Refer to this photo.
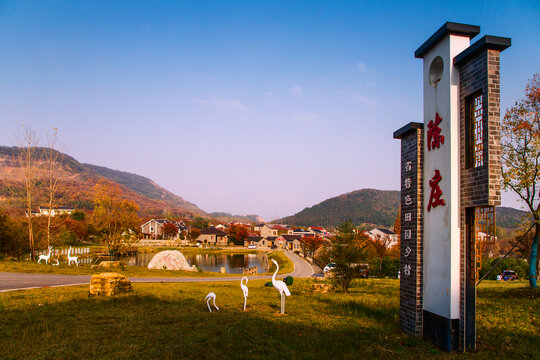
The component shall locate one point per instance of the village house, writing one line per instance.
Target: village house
(301, 232)
(292, 242)
(273, 230)
(252, 240)
(389, 236)
(222, 227)
(61, 210)
(153, 229)
(260, 242)
(258, 227)
(318, 231)
(213, 236)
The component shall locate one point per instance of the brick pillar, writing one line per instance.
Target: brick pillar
(480, 152)
(410, 298)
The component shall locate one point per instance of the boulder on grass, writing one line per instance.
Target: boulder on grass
(321, 288)
(109, 284)
(107, 264)
(170, 260)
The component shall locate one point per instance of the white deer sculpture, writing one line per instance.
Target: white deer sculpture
(211, 296)
(45, 257)
(244, 290)
(72, 258)
(281, 287)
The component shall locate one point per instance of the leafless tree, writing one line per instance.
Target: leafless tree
(28, 157)
(54, 175)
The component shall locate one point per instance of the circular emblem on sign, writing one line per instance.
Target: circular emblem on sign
(435, 71)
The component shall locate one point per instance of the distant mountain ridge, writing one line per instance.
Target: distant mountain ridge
(240, 218)
(362, 206)
(371, 206)
(79, 180)
(144, 186)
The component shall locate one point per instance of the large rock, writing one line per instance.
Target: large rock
(109, 284)
(170, 260)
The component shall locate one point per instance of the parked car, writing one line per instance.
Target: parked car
(252, 246)
(507, 275)
(329, 267)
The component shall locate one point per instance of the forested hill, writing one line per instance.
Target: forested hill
(144, 186)
(78, 180)
(362, 206)
(510, 218)
(378, 207)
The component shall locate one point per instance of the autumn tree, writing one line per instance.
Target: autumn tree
(12, 239)
(521, 159)
(113, 215)
(397, 222)
(310, 244)
(238, 234)
(200, 223)
(347, 251)
(380, 244)
(194, 234)
(169, 230)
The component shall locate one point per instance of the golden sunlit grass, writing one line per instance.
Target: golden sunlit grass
(172, 321)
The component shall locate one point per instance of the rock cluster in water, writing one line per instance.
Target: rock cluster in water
(170, 260)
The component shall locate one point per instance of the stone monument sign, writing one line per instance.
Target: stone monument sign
(450, 184)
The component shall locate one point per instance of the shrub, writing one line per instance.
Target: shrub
(521, 267)
(390, 267)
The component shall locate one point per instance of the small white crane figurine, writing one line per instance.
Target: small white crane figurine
(211, 296)
(45, 257)
(244, 290)
(56, 263)
(281, 287)
(72, 258)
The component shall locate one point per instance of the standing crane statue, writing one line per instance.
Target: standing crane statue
(244, 290)
(211, 296)
(281, 287)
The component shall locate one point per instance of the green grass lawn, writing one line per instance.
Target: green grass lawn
(285, 266)
(171, 321)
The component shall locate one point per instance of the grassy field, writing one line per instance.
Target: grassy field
(171, 321)
(285, 266)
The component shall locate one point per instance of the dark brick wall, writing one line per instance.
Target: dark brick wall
(480, 186)
(411, 293)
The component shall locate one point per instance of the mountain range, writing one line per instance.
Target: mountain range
(366, 206)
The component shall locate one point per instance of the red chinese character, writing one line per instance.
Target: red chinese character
(434, 137)
(435, 196)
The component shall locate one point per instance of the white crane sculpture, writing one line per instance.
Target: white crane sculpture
(244, 290)
(211, 296)
(72, 258)
(45, 257)
(281, 287)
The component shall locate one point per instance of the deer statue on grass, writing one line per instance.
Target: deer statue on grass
(72, 258)
(45, 257)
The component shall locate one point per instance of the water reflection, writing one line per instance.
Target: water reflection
(233, 263)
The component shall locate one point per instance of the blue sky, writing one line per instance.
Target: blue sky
(246, 107)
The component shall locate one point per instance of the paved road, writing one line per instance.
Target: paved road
(19, 281)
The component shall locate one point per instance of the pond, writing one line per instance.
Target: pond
(233, 263)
